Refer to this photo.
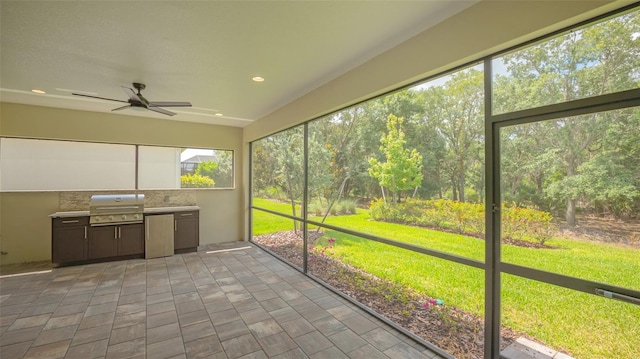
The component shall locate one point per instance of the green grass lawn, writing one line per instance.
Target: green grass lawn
(585, 325)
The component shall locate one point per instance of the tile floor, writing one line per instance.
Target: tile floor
(241, 303)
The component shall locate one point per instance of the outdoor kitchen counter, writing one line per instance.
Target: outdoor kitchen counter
(170, 209)
(153, 210)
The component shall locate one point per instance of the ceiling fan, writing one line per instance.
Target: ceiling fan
(137, 100)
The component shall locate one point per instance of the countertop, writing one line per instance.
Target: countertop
(154, 210)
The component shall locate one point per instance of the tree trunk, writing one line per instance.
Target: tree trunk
(461, 178)
(454, 188)
(571, 212)
(394, 194)
(571, 202)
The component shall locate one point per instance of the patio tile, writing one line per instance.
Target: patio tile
(231, 305)
(239, 346)
(127, 349)
(20, 335)
(197, 331)
(63, 321)
(124, 334)
(297, 327)
(28, 322)
(97, 320)
(204, 347)
(292, 354)
(265, 328)
(163, 332)
(166, 349)
(367, 351)
(14, 351)
(381, 339)
(232, 329)
(53, 350)
(254, 315)
(313, 342)
(55, 335)
(330, 353)
(359, 323)
(277, 343)
(191, 318)
(225, 316)
(92, 334)
(126, 320)
(160, 319)
(404, 351)
(97, 349)
(347, 340)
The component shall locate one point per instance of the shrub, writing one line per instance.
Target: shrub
(196, 181)
(526, 224)
(346, 206)
(465, 218)
(316, 208)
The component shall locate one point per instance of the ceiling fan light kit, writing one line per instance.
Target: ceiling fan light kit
(137, 100)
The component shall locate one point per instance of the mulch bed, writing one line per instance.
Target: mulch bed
(459, 333)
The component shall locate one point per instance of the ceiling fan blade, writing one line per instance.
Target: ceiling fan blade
(132, 95)
(99, 98)
(169, 104)
(161, 110)
(121, 108)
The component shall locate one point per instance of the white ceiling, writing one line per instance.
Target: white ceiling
(205, 52)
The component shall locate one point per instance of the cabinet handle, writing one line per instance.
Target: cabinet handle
(85, 232)
(175, 225)
(119, 232)
(71, 221)
(115, 232)
(186, 214)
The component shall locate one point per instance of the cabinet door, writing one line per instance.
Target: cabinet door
(187, 233)
(69, 244)
(131, 239)
(103, 242)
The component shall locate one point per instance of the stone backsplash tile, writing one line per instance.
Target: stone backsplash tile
(79, 200)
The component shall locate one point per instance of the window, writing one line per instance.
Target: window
(168, 167)
(49, 165)
(394, 191)
(594, 60)
(37, 165)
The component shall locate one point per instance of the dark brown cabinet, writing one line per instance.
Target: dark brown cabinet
(115, 241)
(69, 239)
(74, 241)
(187, 233)
(131, 239)
(103, 242)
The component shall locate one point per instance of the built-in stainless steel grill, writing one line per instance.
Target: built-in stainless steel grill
(108, 209)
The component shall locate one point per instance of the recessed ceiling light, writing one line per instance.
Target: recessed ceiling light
(258, 78)
(218, 114)
(37, 91)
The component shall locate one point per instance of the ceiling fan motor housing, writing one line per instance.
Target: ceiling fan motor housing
(139, 86)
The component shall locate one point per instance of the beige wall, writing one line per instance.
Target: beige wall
(25, 228)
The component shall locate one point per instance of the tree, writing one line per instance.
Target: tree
(457, 109)
(223, 173)
(207, 169)
(288, 147)
(402, 169)
(599, 59)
